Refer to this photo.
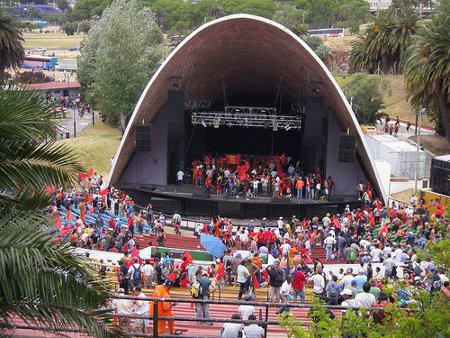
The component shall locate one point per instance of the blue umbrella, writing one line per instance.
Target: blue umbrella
(213, 245)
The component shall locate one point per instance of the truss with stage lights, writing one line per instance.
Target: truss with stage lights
(255, 117)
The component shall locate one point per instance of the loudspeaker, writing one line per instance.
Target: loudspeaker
(313, 129)
(347, 147)
(439, 175)
(143, 136)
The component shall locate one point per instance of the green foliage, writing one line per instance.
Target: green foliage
(11, 49)
(367, 99)
(428, 317)
(382, 45)
(84, 26)
(70, 28)
(292, 17)
(119, 56)
(27, 167)
(44, 283)
(426, 66)
(88, 9)
(316, 44)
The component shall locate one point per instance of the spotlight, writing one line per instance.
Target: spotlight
(216, 123)
(203, 123)
(288, 127)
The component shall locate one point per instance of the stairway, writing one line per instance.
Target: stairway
(173, 241)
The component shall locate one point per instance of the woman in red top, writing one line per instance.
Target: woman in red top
(298, 280)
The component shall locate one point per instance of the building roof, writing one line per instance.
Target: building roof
(445, 158)
(243, 54)
(394, 143)
(53, 85)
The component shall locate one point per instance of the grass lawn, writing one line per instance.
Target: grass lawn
(95, 146)
(51, 41)
(403, 196)
(394, 97)
(437, 144)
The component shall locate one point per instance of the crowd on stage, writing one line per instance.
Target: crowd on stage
(251, 176)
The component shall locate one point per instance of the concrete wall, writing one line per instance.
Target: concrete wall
(346, 175)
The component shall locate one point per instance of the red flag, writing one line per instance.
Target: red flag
(90, 172)
(104, 192)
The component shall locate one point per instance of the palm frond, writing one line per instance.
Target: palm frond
(44, 282)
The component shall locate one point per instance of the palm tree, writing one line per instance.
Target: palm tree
(382, 45)
(11, 49)
(41, 281)
(426, 66)
(44, 284)
(27, 165)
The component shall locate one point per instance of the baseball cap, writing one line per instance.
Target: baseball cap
(353, 282)
(347, 292)
(248, 297)
(276, 261)
(168, 282)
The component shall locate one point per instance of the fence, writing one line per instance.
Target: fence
(266, 320)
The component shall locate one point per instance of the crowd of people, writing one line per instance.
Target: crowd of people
(252, 176)
(383, 240)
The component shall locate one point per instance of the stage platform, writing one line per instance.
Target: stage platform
(190, 200)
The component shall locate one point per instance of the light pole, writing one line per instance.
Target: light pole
(419, 121)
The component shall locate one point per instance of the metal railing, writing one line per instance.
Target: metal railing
(264, 321)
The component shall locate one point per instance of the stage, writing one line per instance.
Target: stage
(190, 200)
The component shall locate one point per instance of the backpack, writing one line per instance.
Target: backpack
(195, 289)
(333, 290)
(137, 273)
(352, 256)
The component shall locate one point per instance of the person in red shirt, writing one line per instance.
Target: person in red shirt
(298, 280)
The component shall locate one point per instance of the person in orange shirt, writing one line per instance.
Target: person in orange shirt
(299, 184)
(164, 308)
(258, 262)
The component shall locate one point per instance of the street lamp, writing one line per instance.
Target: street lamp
(419, 125)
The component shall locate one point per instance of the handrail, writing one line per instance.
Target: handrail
(155, 318)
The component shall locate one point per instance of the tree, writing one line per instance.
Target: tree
(118, 57)
(352, 13)
(293, 18)
(84, 26)
(426, 67)
(365, 93)
(381, 47)
(316, 44)
(70, 28)
(11, 49)
(27, 165)
(41, 281)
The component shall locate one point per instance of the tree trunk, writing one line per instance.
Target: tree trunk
(122, 121)
(445, 114)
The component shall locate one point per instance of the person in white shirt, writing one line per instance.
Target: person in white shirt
(231, 330)
(329, 242)
(123, 307)
(140, 308)
(246, 310)
(366, 299)
(253, 330)
(147, 271)
(285, 247)
(242, 275)
(318, 284)
(180, 176)
(347, 279)
(347, 295)
(326, 221)
(376, 254)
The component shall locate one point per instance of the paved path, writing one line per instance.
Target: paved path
(81, 122)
